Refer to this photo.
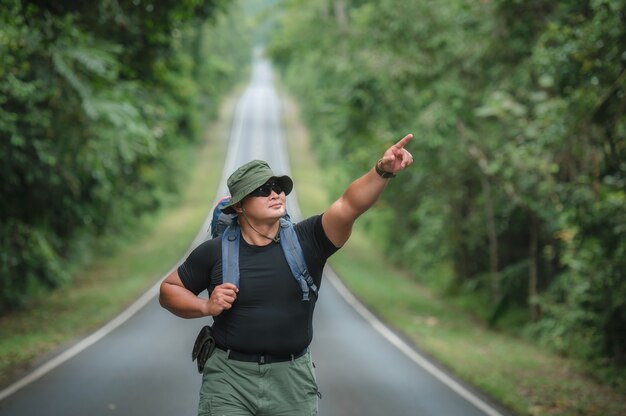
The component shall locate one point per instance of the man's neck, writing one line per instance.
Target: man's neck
(259, 234)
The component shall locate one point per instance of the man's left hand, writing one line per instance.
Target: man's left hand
(397, 158)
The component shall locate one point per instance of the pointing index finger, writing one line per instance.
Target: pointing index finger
(403, 141)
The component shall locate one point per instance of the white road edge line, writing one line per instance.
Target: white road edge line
(84, 343)
(149, 294)
(153, 291)
(384, 330)
(405, 348)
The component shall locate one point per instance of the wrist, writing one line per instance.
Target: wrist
(206, 308)
(382, 173)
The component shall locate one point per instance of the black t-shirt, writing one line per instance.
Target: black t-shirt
(269, 315)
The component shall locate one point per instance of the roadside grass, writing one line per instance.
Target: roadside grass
(105, 286)
(519, 375)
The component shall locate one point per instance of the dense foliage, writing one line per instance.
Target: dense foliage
(94, 98)
(517, 194)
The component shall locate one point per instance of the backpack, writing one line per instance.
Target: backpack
(227, 226)
(219, 220)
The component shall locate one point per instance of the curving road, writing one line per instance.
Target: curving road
(140, 364)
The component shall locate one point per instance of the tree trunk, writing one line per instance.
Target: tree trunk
(492, 232)
(494, 264)
(325, 11)
(532, 267)
(341, 14)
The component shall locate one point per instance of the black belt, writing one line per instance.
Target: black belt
(260, 358)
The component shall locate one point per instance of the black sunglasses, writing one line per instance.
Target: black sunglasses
(266, 189)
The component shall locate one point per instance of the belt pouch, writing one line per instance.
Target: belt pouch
(203, 347)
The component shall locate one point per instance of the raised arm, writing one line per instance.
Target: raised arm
(363, 192)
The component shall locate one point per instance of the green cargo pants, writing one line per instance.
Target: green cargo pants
(235, 388)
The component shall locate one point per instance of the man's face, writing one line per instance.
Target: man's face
(268, 202)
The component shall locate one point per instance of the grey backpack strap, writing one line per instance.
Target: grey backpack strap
(230, 254)
(295, 258)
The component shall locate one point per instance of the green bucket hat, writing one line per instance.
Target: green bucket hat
(249, 177)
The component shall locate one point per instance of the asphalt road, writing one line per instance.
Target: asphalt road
(140, 363)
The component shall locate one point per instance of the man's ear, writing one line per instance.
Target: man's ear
(238, 208)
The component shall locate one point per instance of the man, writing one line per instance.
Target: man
(263, 328)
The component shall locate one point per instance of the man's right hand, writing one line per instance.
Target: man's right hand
(222, 298)
(176, 298)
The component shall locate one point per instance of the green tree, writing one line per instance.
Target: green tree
(517, 194)
(93, 99)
